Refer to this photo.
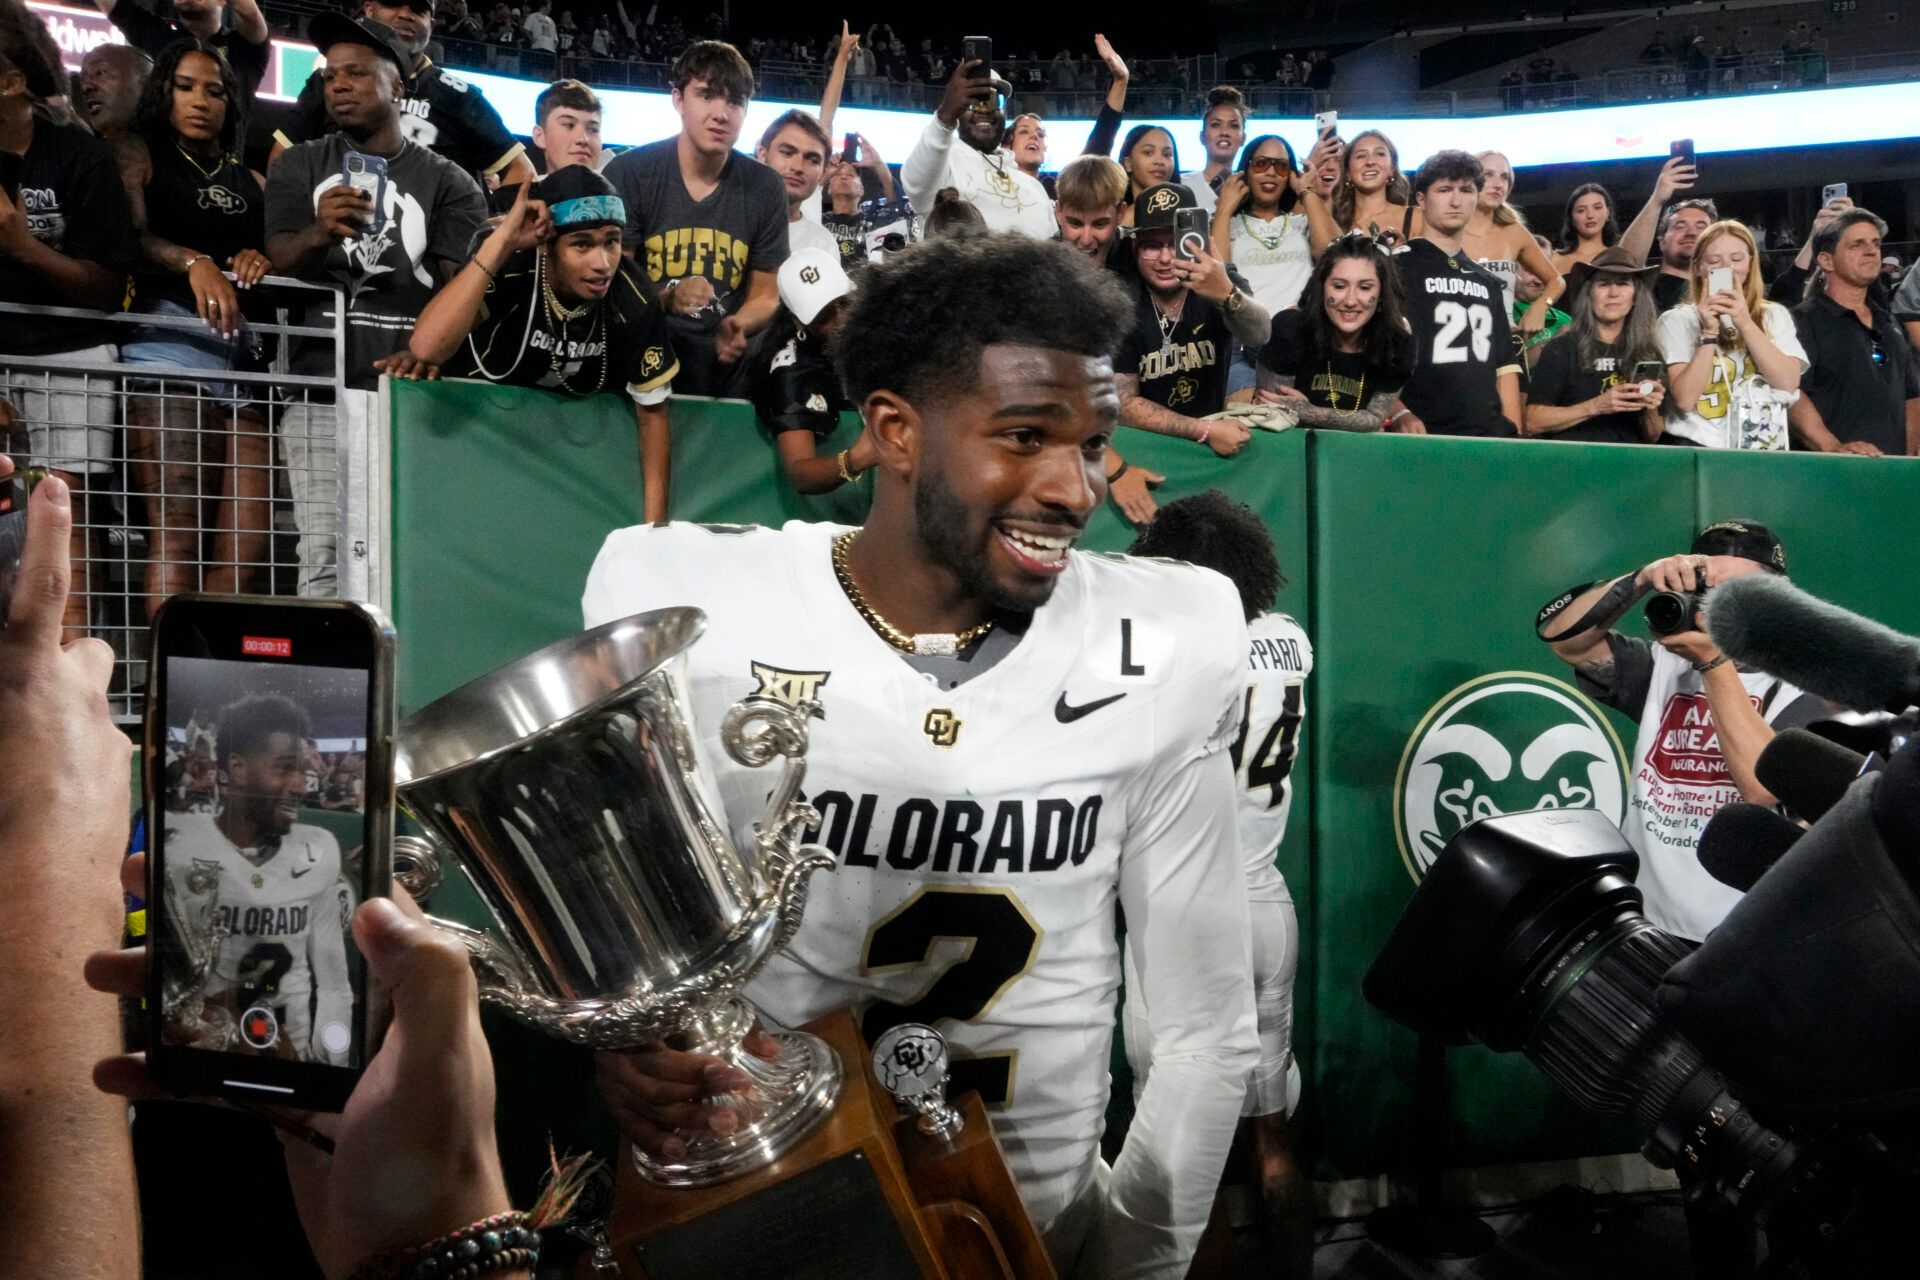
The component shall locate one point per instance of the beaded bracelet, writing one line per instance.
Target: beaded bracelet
(503, 1242)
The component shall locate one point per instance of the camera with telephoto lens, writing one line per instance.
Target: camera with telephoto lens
(1671, 612)
(1775, 1068)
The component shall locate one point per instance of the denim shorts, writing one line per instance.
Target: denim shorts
(197, 350)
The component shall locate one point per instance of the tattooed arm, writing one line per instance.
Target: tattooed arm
(1276, 388)
(1586, 650)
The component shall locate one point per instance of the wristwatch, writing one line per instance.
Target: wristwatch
(1234, 301)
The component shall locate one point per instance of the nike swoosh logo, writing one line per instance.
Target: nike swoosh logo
(300, 871)
(1067, 714)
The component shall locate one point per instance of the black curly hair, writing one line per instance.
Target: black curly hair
(154, 116)
(1215, 532)
(27, 46)
(919, 322)
(244, 727)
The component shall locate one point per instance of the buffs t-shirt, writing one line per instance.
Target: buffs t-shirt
(1462, 342)
(1559, 380)
(1340, 380)
(71, 195)
(441, 112)
(432, 209)
(1182, 366)
(620, 343)
(740, 227)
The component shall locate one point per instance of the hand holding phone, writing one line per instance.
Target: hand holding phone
(850, 148)
(368, 174)
(343, 212)
(981, 48)
(1326, 124)
(1190, 233)
(1833, 191)
(268, 759)
(1682, 150)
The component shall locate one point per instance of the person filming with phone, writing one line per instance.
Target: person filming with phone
(1601, 378)
(1172, 367)
(985, 174)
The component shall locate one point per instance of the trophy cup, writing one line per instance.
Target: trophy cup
(195, 932)
(568, 787)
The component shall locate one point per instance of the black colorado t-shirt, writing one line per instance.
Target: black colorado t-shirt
(1181, 366)
(1559, 380)
(621, 343)
(1339, 380)
(1462, 341)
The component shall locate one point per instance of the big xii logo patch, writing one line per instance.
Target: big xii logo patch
(791, 687)
(1508, 742)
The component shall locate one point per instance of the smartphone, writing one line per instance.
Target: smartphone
(1684, 149)
(369, 174)
(1190, 233)
(1326, 123)
(268, 771)
(1720, 280)
(1832, 191)
(980, 47)
(1647, 374)
(850, 148)
(14, 491)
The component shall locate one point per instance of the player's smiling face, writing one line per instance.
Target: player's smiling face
(1009, 473)
(267, 785)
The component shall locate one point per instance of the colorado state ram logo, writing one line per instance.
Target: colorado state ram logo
(1509, 742)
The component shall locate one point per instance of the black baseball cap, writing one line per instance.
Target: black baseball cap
(1748, 539)
(330, 28)
(1157, 205)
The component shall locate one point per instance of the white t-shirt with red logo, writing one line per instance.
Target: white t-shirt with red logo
(1680, 778)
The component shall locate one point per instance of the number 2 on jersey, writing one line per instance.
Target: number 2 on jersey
(1000, 940)
(1273, 759)
(1454, 318)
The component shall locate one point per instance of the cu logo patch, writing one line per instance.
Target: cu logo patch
(810, 275)
(942, 727)
(652, 359)
(1163, 200)
(1509, 742)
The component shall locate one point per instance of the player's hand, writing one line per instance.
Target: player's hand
(1675, 175)
(408, 367)
(64, 801)
(659, 1096)
(248, 266)
(414, 1154)
(729, 340)
(1132, 493)
(343, 212)
(214, 298)
(1228, 436)
(689, 296)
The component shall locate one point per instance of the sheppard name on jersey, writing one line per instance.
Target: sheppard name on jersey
(1458, 284)
(964, 836)
(252, 922)
(541, 340)
(1179, 357)
(1275, 654)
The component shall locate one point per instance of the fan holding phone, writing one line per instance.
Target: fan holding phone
(1601, 378)
(960, 148)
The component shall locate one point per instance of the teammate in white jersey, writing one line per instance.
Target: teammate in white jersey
(275, 889)
(1212, 530)
(990, 810)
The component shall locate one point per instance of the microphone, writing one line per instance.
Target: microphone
(1742, 841)
(1809, 773)
(1765, 622)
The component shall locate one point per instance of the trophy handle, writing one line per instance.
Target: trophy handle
(754, 731)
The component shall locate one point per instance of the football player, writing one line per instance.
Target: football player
(1212, 530)
(1015, 737)
(275, 890)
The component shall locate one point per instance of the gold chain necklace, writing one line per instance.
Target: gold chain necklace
(1358, 396)
(930, 643)
(208, 174)
(562, 317)
(1269, 243)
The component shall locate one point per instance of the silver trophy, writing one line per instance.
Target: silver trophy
(198, 930)
(910, 1062)
(569, 788)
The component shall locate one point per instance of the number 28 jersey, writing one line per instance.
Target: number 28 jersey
(1462, 341)
(1279, 660)
(984, 833)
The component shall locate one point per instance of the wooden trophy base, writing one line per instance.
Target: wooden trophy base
(865, 1194)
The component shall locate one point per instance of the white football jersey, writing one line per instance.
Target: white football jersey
(285, 924)
(985, 835)
(1279, 660)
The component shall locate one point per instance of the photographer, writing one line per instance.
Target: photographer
(985, 174)
(1600, 380)
(1703, 720)
(1172, 367)
(549, 301)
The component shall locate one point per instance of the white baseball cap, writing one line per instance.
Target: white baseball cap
(809, 280)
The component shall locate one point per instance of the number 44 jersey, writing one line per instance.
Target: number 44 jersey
(984, 835)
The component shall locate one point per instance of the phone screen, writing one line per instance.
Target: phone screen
(980, 47)
(268, 767)
(850, 149)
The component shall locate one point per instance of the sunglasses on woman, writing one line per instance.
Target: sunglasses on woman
(1269, 164)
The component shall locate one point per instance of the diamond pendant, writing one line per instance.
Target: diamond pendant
(936, 644)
